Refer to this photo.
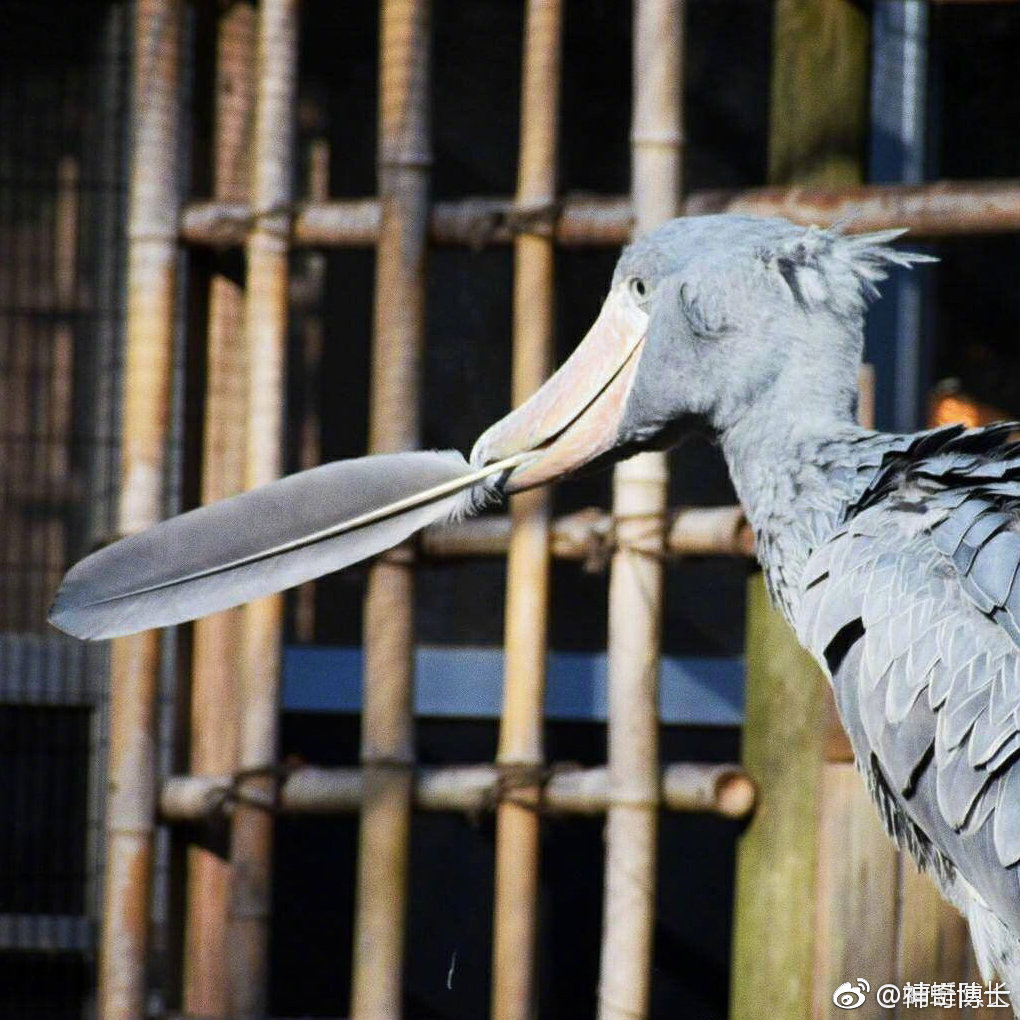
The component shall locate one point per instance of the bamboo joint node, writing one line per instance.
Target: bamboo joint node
(405, 161)
(655, 139)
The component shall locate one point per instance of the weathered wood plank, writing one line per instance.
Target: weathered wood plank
(858, 871)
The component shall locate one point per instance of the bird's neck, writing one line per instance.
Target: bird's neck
(789, 469)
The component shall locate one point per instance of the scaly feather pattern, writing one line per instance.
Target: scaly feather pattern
(912, 603)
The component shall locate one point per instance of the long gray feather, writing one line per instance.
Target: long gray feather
(262, 541)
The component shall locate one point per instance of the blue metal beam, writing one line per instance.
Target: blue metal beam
(467, 683)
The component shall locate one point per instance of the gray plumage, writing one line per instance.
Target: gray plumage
(262, 541)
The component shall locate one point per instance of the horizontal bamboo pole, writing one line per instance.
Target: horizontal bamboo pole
(587, 535)
(936, 209)
(686, 786)
(474, 222)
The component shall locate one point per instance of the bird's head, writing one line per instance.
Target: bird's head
(707, 318)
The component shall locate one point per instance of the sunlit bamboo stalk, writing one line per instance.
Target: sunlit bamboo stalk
(265, 356)
(635, 587)
(527, 591)
(214, 715)
(399, 330)
(151, 313)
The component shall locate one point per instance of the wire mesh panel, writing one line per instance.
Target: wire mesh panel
(63, 91)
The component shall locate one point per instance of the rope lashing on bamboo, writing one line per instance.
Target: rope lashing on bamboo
(225, 797)
(513, 776)
(598, 536)
(485, 224)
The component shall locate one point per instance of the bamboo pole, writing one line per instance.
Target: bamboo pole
(312, 337)
(934, 209)
(151, 308)
(724, 790)
(635, 584)
(399, 329)
(265, 354)
(474, 222)
(527, 591)
(587, 535)
(214, 717)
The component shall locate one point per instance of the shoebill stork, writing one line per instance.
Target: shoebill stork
(894, 557)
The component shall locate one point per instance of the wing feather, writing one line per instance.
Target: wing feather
(262, 541)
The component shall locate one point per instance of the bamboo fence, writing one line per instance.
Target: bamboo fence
(234, 775)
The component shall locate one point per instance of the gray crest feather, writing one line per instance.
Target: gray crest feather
(262, 541)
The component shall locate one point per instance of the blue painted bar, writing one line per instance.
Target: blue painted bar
(899, 154)
(467, 683)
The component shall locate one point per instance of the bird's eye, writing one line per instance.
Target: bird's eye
(638, 287)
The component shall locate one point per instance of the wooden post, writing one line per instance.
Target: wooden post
(819, 93)
(784, 743)
(151, 307)
(800, 893)
(265, 354)
(216, 650)
(527, 592)
(399, 330)
(635, 585)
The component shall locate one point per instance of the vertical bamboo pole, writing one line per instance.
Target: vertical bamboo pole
(635, 585)
(214, 717)
(152, 285)
(399, 329)
(266, 342)
(520, 737)
(312, 335)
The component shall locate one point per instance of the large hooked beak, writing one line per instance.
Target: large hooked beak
(576, 416)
